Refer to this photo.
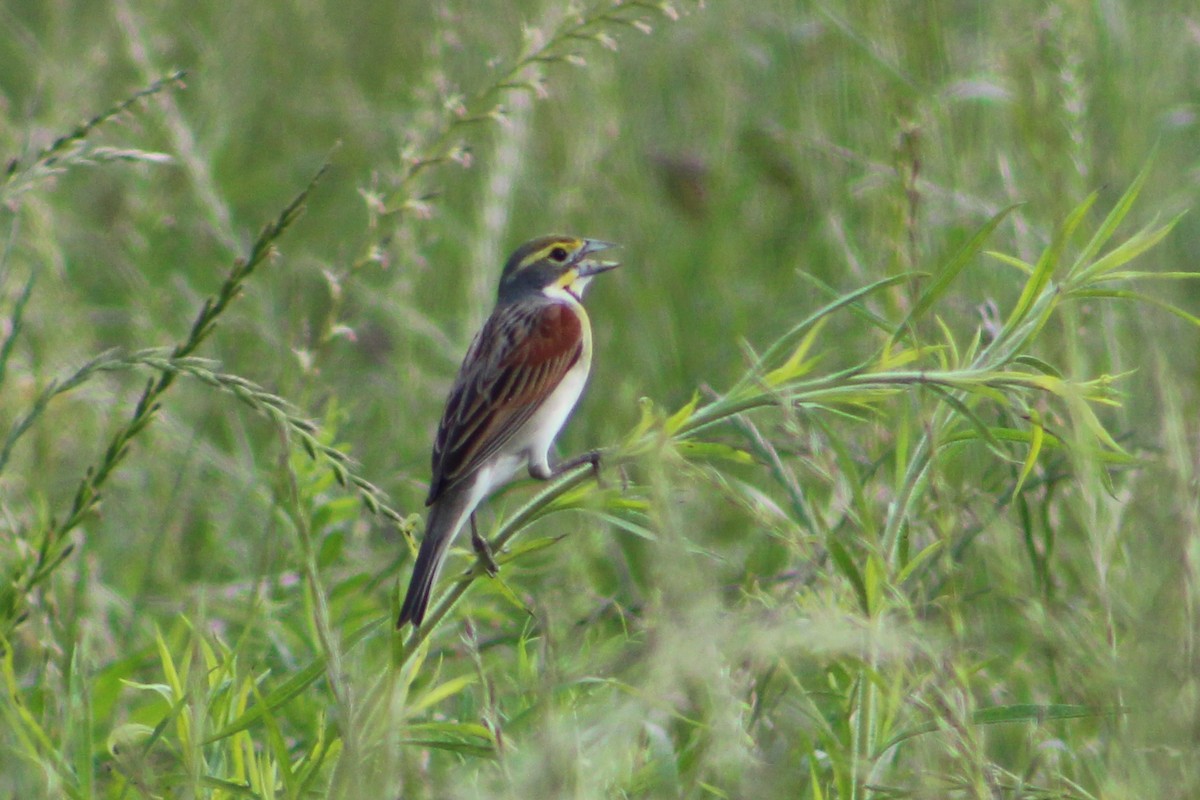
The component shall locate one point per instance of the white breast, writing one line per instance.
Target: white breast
(548, 420)
(537, 435)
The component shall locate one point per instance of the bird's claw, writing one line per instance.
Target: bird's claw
(483, 550)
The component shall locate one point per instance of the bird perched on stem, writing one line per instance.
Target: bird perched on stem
(518, 383)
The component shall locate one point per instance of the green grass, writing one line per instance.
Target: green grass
(896, 389)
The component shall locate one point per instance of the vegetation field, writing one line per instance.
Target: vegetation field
(896, 388)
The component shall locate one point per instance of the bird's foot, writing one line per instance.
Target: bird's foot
(591, 457)
(483, 550)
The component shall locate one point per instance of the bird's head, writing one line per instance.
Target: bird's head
(553, 265)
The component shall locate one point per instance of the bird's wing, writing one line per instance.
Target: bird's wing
(516, 361)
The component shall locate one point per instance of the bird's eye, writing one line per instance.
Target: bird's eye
(559, 254)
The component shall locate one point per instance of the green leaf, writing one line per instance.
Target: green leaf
(295, 684)
(814, 781)
(331, 548)
(694, 450)
(1049, 440)
(914, 563)
(1126, 294)
(1084, 413)
(462, 748)
(528, 546)
(1123, 253)
(168, 665)
(629, 524)
(1030, 712)
(680, 417)
(947, 273)
(236, 789)
(797, 366)
(845, 564)
(310, 765)
(1036, 435)
(812, 319)
(1047, 263)
(439, 693)
(278, 747)
(1141, 275)
(1041, 366)
(159, 688)
(891, 359)
(1012, 261)
(645, 423)
(1113, 220)
(849, 470)
(955, 360)
(873, 579)
(1020, 712)
(981, 428)
(334, 512)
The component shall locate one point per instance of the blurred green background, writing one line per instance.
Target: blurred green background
(737, 151)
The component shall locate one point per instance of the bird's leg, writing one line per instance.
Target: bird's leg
(483, 549)
(590, 457)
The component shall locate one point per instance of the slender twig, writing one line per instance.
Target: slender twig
(274, 407)
(485, 107)
(54, 155)
(52, 548)
(22, 424)
(18, 312)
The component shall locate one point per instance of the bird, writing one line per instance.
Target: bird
(521, 378)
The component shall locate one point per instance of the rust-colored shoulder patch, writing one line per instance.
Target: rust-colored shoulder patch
(515, 363)
(555, 332)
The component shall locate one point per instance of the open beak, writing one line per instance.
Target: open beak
(587, 267)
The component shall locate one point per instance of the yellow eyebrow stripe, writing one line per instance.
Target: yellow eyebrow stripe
(571, 245)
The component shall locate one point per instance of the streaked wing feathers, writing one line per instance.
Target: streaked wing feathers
(515, 362)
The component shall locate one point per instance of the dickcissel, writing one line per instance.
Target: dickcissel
(520, 380)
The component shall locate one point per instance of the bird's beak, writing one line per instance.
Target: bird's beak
(587, 267)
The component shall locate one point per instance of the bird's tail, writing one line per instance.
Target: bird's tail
(446, 518)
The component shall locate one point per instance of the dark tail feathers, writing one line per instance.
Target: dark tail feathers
(446, 517)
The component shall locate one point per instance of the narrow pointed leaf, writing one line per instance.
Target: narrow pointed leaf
(947, 273)
(1123, 253)
(1036, 435)
(1112, 221)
